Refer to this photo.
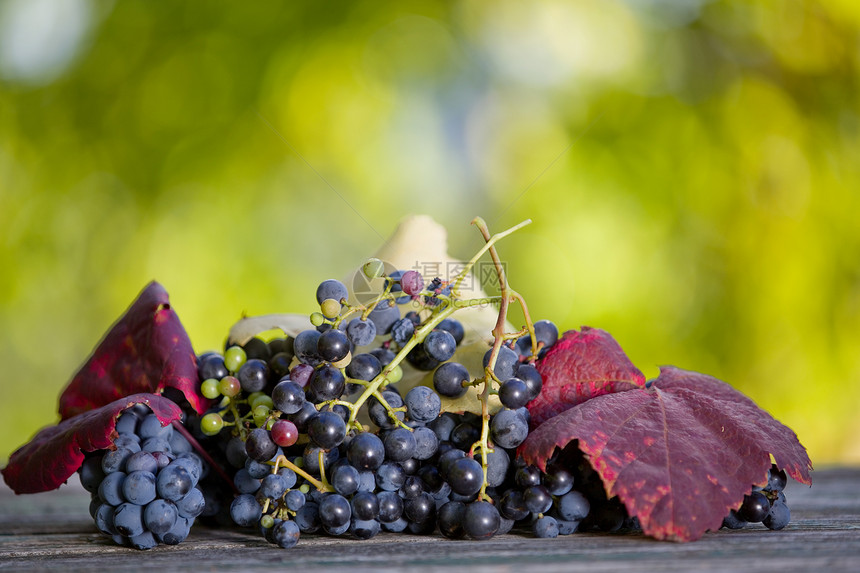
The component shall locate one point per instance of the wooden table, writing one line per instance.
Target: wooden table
(53, 530)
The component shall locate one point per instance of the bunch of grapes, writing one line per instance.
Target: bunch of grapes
(289, 413)
(766, 505)
(145, 491)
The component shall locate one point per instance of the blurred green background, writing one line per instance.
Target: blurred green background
(692, 169)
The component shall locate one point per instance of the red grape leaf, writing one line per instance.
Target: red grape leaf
(679, 454)
(147, 350)
(581, 365)
(56, 452)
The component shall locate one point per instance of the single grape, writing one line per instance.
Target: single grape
(259, 445)
(212, 366)
(440, 345)
(529, 374)
(256, 348)
(327, 383)
(364, 528)
(273, 486)
(545, 527)
(776, 479)
(411, 282)
(426, 443)
(128, 519)
(229, 386)
(159, 516)
(573, 506)
(507, 362)
(778, 516)
(513, 393)
(373, 268)
(245, 510)
(331, 289)
(527, 476)
(192, 504)
(450, 379)
(174, 482)
(361, 332)
(307, 518)
(286, 534)
(177, 533)
(110, 490)
(306, 347)
(284, 433)
(211, 424)
(91, 473)
(334, 511)
(420, 508)
(104, 519)
(558, 480)
(294, 500)
(253, 375)
(498, 463)
(301, 374)
(734, 521)
(234, 358)
(139, 487)
(327, 430)
(508, 429)
(455, 327)
(465, 476)
(383, 316)
(329, 308)
(402, 330)
(537, 499)
(366, 452)
(450, 518)
(390, 506)
(390, 476)
(399, 445)
(422, 404)
(364, 367)
(513, 506)
(333, 345)
(481, 520)
(209, 388)
(365, 505)
(345, 480)
(115, 460)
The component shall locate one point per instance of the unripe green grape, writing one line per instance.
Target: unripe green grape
(234, 358)
(373, 268)
(209, 388)
(269, 423)
(304, 488)
(261, 400)
(317, 318)
(260, 414)
(267, 521)
(229, 386)
(395, 375)
(330, 308)
(211, 424)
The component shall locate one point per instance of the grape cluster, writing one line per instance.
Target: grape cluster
(144, 492)
(766, 505)
(288, 418)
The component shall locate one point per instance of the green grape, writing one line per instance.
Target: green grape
(395, 375)
(330, 308)
(317, 318)
(234, 358)
(260, 414)
(211, 424)
(229, 386)
(209, 388)
(269, 423)
(373, 268)
(304, 488)
(267, 521)
(260, 400)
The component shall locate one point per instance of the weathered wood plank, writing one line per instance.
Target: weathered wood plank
(53, 530)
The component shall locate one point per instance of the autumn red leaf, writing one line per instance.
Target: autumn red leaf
(56, 452)
(581, 365)
(679, 454)
(147, 350)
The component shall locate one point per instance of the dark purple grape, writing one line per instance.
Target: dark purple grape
(481, 521)
(259, 445)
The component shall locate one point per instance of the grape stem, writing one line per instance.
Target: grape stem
(507, 295)
(283, 461)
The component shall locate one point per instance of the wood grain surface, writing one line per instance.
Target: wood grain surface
(53, 531)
